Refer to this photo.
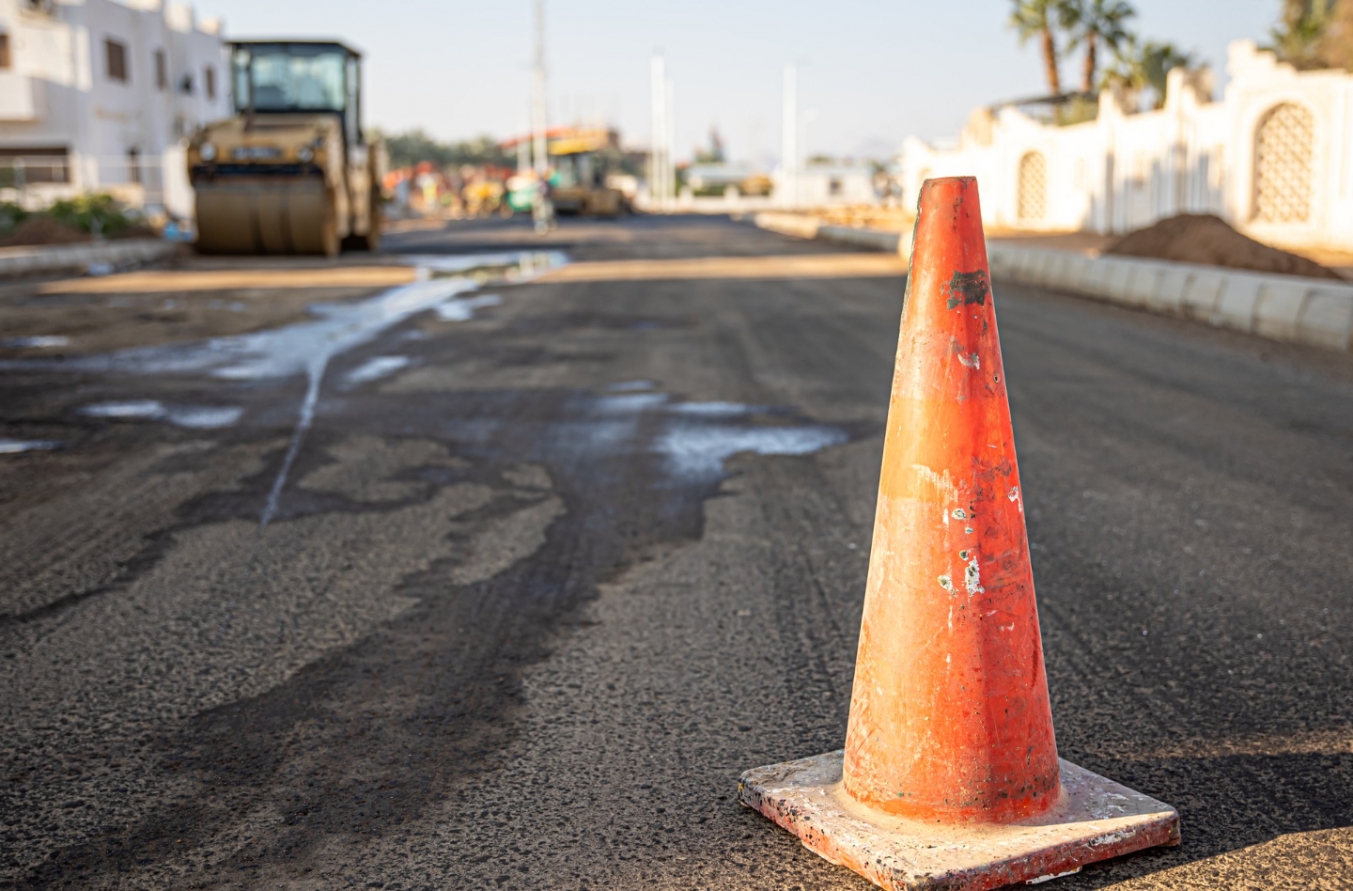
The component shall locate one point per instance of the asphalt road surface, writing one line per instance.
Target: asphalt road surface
(500, 581)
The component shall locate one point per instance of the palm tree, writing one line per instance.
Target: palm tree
(1141, 65)
(1035, 18)
(1338, 41)
(1298, 40)
(1092, 22)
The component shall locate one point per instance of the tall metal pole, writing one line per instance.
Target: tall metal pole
(669, 145)
(805, 153)
(539, 121)
(789, 145)
(656, 164)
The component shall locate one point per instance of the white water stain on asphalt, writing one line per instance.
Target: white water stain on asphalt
(307, 347)
(630, 386)
(139, 409)
(197, 417)
(699, 451)
(629, 402)
(40, 342)
(19, 446)
(516, 266)
(462, 309)
(347, 326)
(375, 368)
(696, 438)
(715, 409)
(203, 417)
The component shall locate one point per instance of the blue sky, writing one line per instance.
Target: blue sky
(873, 72)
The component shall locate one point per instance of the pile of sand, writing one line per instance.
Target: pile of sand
(1207, 239)
(42, 229)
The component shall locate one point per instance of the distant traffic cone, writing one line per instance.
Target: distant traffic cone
(950, 776)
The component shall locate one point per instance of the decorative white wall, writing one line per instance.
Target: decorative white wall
(1274, 157)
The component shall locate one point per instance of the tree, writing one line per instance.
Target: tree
(1092, 22)
(415, 145)
(1297, 38)
(1315, 34)
(1337, 44)
(1141, 65)
(1035, 18)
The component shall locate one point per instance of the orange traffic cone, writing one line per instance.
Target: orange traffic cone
(950, 776)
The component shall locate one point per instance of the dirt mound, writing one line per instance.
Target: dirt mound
(41, 229)
(1207, 239)
(136, 230)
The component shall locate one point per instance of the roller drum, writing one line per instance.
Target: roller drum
(265, 218)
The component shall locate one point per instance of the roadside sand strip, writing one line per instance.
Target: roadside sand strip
(155, 281)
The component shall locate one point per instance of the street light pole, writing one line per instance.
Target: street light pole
(657, 165)
(669, 145)
(789, 147)
(524, 149)
(539, 121)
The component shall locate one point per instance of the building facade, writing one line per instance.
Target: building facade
(98, 95)
(825, 185)
(1273, 157)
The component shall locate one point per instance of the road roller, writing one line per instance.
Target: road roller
(292, 171)
(581, 161)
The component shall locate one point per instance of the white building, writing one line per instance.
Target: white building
(825, 185)
(97, 95)
(1274, 158)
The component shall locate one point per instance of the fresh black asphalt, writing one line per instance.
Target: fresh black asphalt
(532, 600)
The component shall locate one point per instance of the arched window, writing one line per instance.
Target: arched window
(1033, 186)
(1282, 165)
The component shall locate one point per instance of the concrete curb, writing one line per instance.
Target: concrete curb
(1290, 308)
(16, 262)
(1294, 309)
(810, 227)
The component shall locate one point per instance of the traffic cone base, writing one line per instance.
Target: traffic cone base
(1093, 819)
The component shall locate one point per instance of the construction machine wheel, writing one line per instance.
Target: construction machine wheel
(604, 203)
(266, 218)
(371, 241)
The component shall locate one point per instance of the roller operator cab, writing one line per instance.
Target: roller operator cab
(291, 172)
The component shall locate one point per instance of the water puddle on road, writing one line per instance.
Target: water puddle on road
(630, 402)
(517, 266)
(698, 452)
(196, 417)
(693, 439)
(629, 386)
(461, 309)
(39, 342)
(306, 348)
(21, 446)
(375, 368)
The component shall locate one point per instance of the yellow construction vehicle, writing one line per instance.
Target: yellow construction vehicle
(291, 172)
(582, 160)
